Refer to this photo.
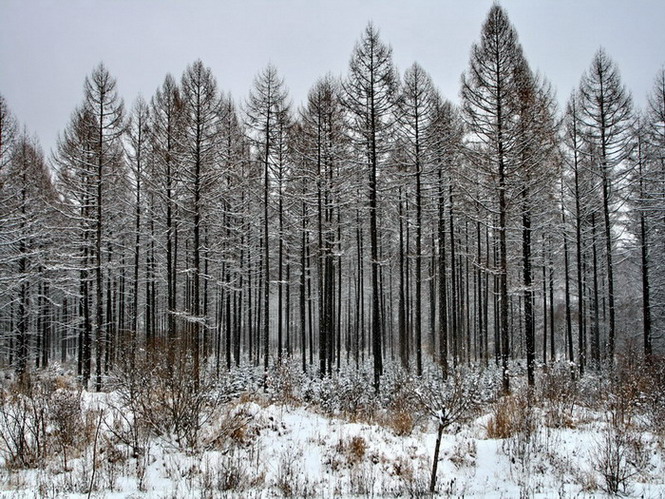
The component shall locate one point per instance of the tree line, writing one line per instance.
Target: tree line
(376, 223)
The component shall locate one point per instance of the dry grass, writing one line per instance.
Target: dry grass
(510, 416)
(357, 449)
(400, 422)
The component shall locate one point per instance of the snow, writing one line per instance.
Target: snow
(298, 451)
(265, 445)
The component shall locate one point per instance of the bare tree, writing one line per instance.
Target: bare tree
(163, 192)
(75, 174)
(605, 108)
(266, 106)
(26, 195)
(449, 400)
(323, 147)
(445, 144)
(8, 137)
(535, 149)
(105, 110)
(139, 152)
(654, 204)
(370, 95)
(200, 143)
(489, 102)
(416, 116)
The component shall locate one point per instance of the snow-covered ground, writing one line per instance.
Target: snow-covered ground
(258, 446)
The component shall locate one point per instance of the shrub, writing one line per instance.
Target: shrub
(619, 456)
(162, 393)
(400, 421)
(24, 422)
(40, 417)
(558, 392)
(511, 415)
(69, 429)
(228, 473)
(357, 449)
(348, 393)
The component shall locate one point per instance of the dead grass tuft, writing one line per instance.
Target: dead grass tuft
(510, 416)
(400, 422)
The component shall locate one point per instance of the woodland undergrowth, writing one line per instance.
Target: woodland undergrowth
(61, 439)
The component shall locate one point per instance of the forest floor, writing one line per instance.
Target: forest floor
(584, 438)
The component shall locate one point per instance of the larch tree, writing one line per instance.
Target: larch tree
(652, 204)
(605, 108)
(105, 110)
(233, 236)
(138, 133)
(534, 155)
(301, 187)
(163, 193)
(445, 143)
(8, 135)
(370, 96)
(322, 148)
(574, 156)
(282, 168)
(642, 211)
(91, 179)
(200, 146)
(266, 106)
(415, 120)
(75, 172)
(490, 107)
(26, 197)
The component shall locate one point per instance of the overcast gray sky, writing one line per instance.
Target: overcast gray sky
(48, 47)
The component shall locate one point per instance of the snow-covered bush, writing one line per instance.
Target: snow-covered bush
(557, 391)
(349, 392)
(24, 423)
(450, 398)
(620, 454)
(163, 394)
(40, 417)
(511, 415)
(403, 408)
(286, 383)
(69, 429)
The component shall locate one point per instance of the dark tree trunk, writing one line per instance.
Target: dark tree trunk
(435, 460)
(443, 299)
(595, 325)
(418, 256)
(644, 264)
(529, 329)
(302, 304)
(454, 309)
(401, 320)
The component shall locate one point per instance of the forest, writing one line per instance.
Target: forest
(378, 233)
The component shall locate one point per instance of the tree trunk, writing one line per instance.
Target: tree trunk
(435, 461)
